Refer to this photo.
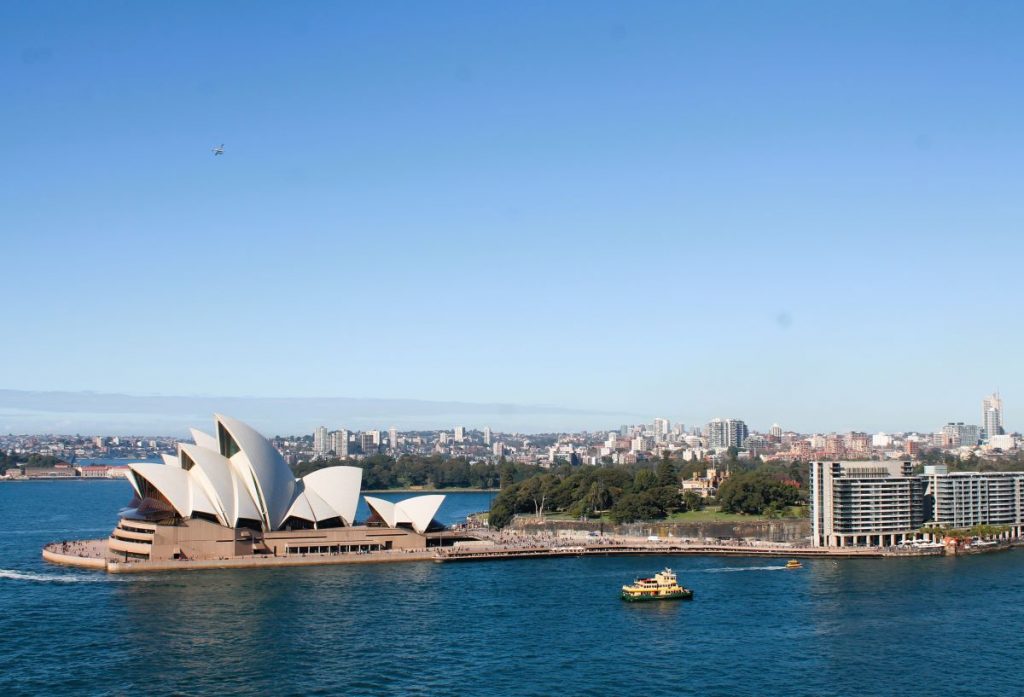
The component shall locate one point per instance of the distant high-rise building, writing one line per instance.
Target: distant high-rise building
(460, 434)
(775, 431)
(320, 443)
(726, 433)
(442, 438)
(954, 435)
(369, 442)
(341, 442)
(662, 428)
(487, 435)
(992, 415)
(393, 439)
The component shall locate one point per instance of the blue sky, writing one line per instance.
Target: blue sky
(806, 212)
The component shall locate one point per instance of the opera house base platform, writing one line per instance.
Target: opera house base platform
(355, 545)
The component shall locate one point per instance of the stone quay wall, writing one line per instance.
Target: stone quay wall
(784, 530)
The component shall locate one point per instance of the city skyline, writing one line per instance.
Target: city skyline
(96, 413)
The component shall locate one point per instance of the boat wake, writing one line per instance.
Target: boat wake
(726, 569)
(34, 577)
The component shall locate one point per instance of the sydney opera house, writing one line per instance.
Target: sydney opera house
(231, 494)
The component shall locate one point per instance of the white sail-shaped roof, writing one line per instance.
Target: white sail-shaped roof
(300, 508)
(131, 480)
(172, 482)
(203, 440)
(213, 474)
(417, 511)
(321, 509)
(239, 475)
(338, 487)
(384, 509)
(200, 500)
(266, 475)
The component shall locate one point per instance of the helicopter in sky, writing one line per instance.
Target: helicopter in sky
(219, 150)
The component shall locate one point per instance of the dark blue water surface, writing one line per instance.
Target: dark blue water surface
(530, 627)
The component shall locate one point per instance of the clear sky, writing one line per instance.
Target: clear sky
(807, 212)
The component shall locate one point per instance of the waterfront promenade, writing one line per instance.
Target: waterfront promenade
(93, 554)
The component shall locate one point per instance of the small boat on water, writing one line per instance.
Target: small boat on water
(794, 564)
(663, 586)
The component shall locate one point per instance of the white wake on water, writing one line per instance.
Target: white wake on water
(15, 575)
(724, 569)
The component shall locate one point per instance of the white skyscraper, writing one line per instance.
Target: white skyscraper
(460, 434)
(487, 435)
(320, 442)
(992, 415)
(775, 431)
(725, 433)
(393, 439)
(662, 428)
(341, 442)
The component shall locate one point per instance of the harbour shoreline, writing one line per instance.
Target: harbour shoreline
(92, 554)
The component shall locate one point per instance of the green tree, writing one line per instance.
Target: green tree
(754, 492)
(644, 480)
(692, 501)
(633, 507)
(666, 471)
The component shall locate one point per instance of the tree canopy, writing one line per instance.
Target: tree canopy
(435, 471)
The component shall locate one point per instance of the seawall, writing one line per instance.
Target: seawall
(782, 530)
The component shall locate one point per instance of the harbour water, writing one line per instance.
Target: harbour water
(526, 627)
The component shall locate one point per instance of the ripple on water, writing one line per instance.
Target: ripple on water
(529, 627)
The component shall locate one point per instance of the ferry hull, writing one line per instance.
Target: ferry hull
(685, 595)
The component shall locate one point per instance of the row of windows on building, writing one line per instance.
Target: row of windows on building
(338, 549)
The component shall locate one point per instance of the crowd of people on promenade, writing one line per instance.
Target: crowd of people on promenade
(78, 548)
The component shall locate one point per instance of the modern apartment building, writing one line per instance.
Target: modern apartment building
(662, 427)
(341, 437)
(965, 499)
(321, 445)
(725, 433)
(864, 503)
(369, 442)
(992, 415)
(954, 435)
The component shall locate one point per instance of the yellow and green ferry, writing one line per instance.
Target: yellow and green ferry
(663, 586)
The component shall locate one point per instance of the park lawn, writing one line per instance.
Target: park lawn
(711, 514)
